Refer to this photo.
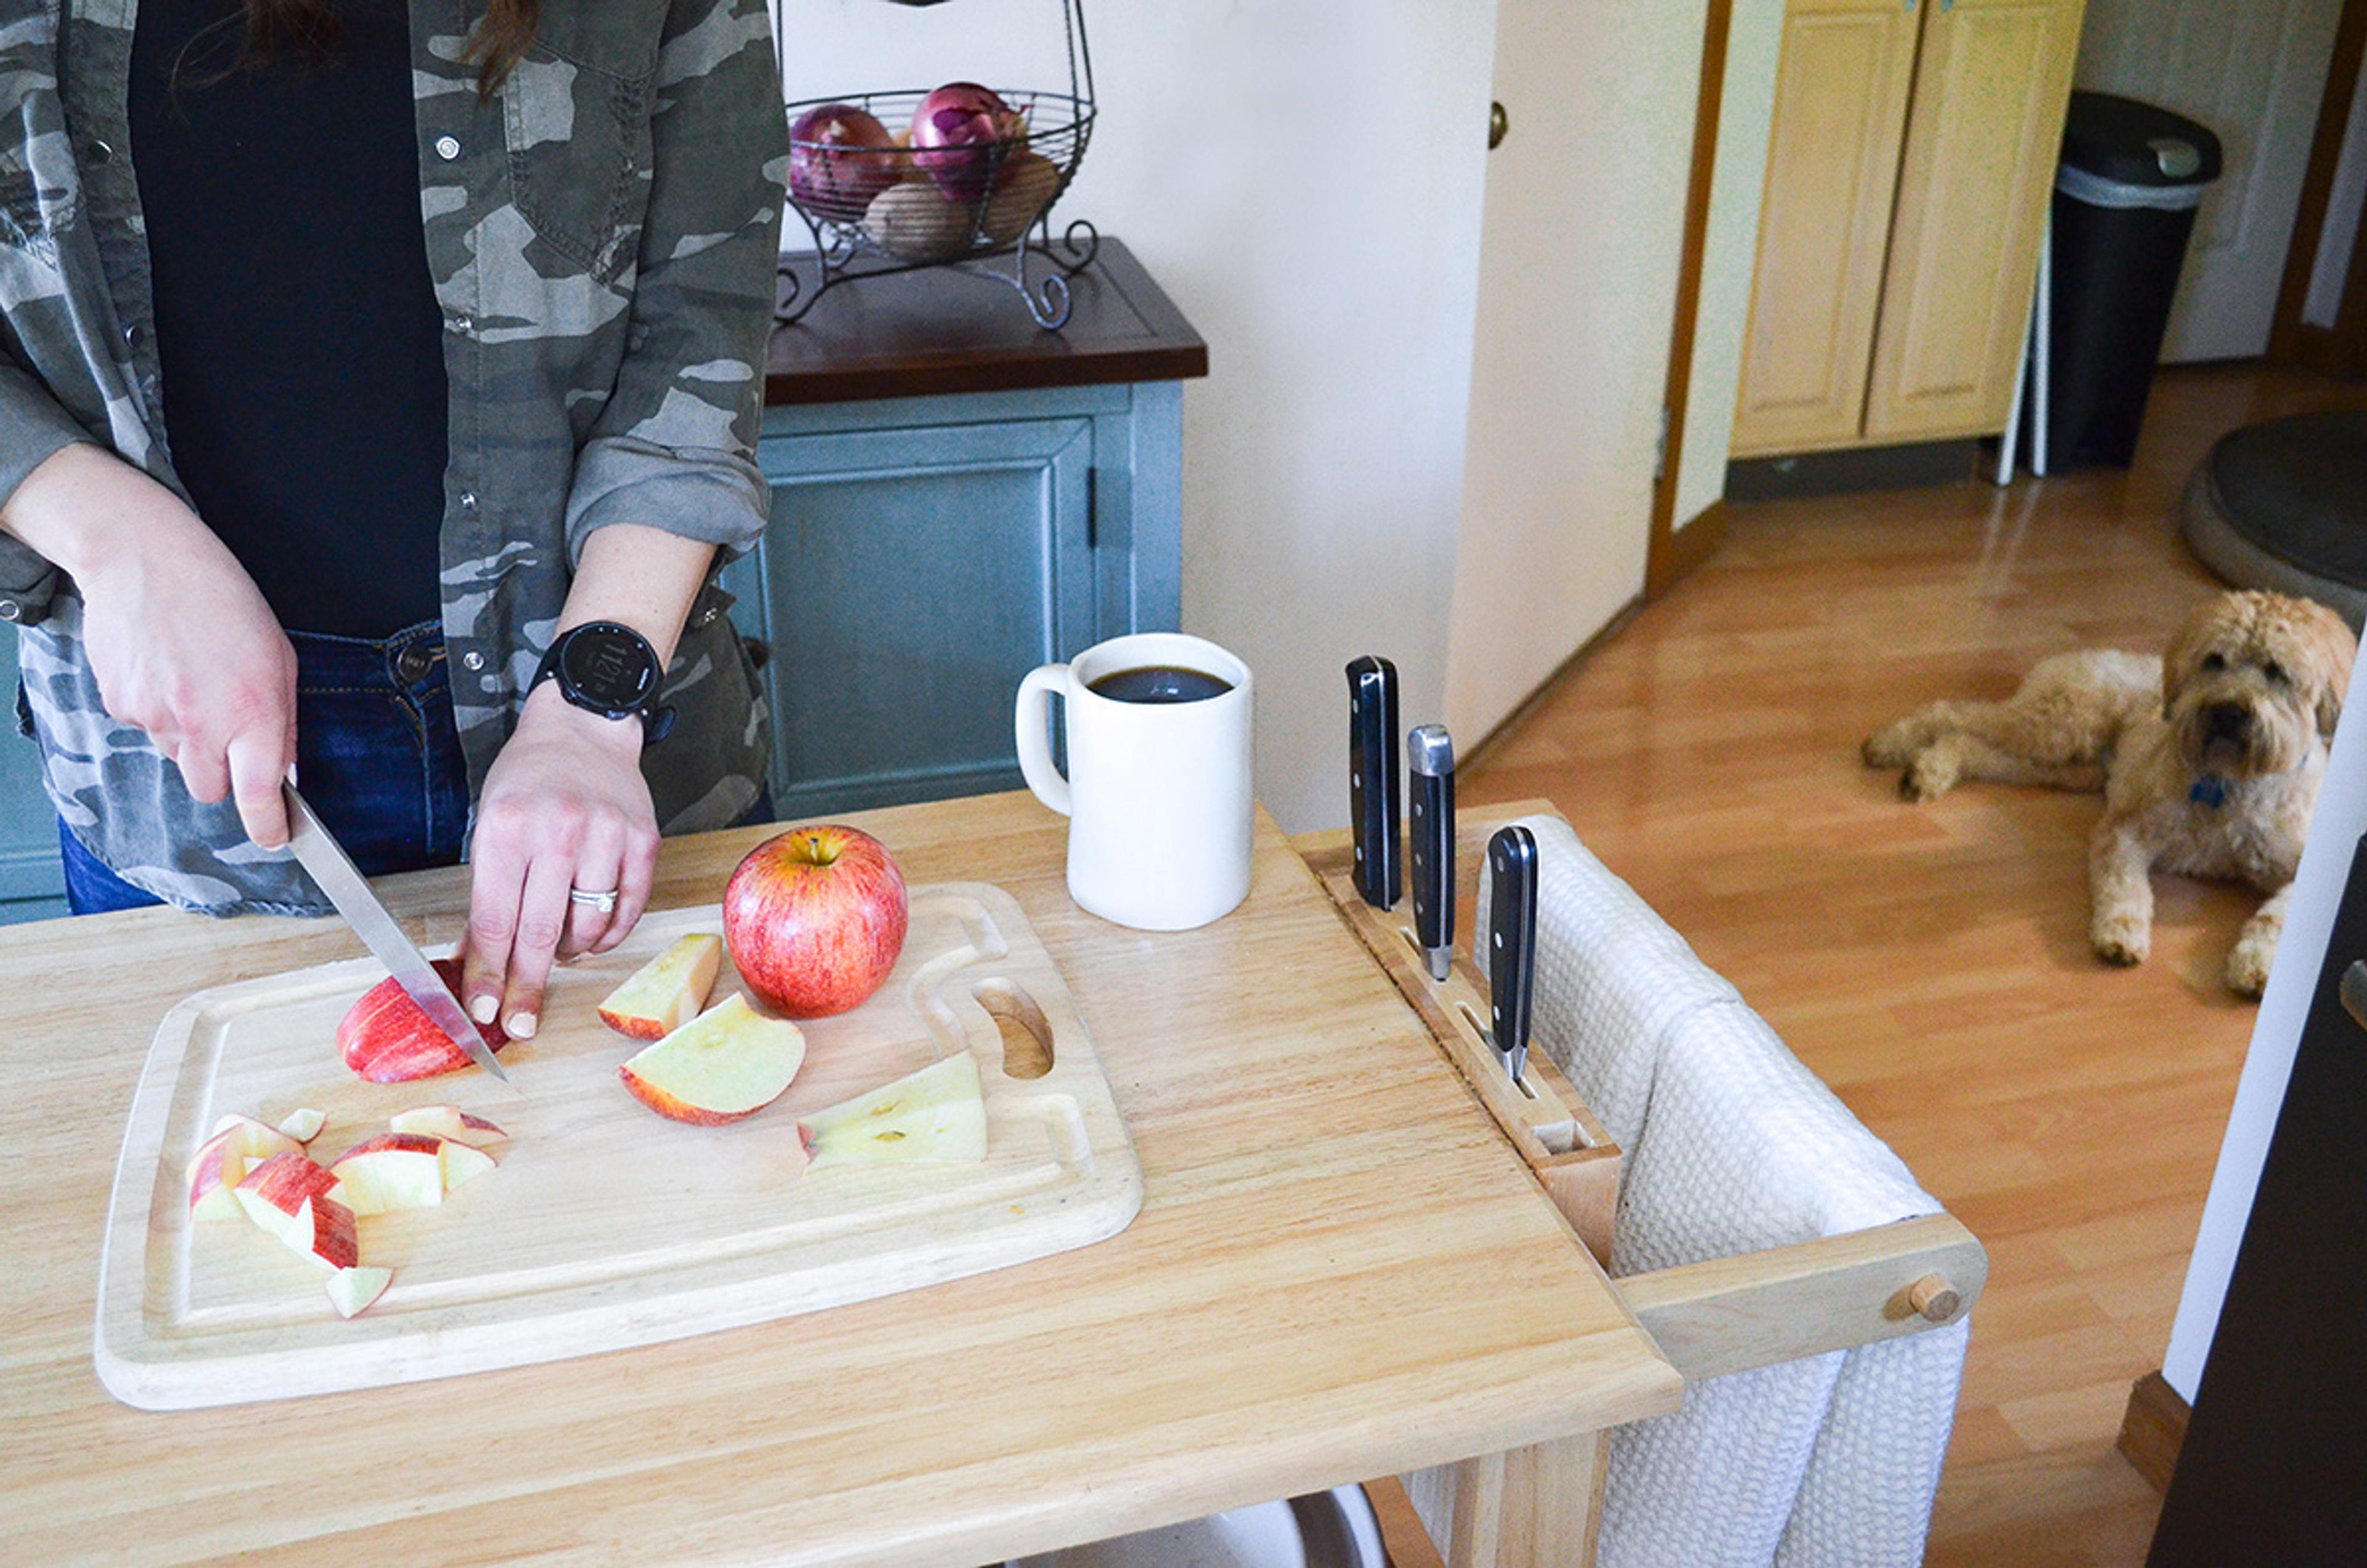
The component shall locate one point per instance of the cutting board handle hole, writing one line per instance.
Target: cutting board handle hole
(1027, 1033)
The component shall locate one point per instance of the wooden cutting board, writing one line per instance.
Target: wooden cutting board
(605, 1225)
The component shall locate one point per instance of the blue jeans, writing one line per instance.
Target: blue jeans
(376, 754)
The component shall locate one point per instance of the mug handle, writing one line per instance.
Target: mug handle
(1035, 725)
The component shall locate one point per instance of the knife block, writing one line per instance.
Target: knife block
(1542, 1116)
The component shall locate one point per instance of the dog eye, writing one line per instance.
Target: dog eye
(2275, 671)
(2213, 661)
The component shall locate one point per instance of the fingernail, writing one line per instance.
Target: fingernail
(520, 1026)
(483, 1008)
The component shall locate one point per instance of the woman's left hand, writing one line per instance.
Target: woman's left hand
(564, 807)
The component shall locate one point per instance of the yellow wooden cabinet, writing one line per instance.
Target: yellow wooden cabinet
(1908, 176)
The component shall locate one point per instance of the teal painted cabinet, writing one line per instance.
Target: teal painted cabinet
(926, 553)
(31, 885)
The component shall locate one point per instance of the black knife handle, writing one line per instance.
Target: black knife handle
(1430, 838)
(1512, 935)
(1374, 813)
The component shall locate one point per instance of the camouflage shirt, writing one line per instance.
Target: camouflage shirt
(602, 234)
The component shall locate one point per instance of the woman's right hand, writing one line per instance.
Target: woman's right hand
(179, 638)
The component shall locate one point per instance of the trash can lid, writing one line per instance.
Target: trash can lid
(2130, 143)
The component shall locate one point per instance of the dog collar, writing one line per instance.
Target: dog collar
(2210, 792)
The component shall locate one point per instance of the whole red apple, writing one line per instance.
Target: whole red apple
(814, 919)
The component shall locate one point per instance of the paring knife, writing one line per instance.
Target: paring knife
(320, 854)
(1430, 758)
(1373, 809)
(1511, 942)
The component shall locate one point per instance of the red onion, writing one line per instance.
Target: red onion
(961, 133)
(841, 157)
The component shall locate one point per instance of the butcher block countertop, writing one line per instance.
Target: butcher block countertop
(1339, 1270)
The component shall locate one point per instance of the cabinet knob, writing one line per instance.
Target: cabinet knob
(1499, 123)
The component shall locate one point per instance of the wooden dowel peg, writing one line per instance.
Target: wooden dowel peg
(1934, 1298)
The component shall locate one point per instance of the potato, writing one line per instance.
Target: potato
(912, 222)
(1028, 183)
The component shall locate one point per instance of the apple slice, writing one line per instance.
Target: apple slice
(237, 1145)
(445, 1122)
(303, 1124)
(667, 991)
(728, 1062)
(386, 1039)
(286, 1195)
(461, 1162)
(351, 1290)
(937, 1113)
(392, 1171)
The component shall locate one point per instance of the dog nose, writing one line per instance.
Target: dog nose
(2226, 721)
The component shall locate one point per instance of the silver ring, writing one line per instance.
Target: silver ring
(604, 902)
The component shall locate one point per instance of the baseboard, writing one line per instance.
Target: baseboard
(1466, 761)
(1848, 469)
(1677, 556)
(2154, 1429)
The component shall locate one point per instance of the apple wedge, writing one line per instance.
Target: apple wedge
(286, 1195)
(351, 1290)
(728, 1062)
(461, 1162)
(387, 1039)
(303, 1124)
(446, 1121)
(389, 1172)
(937, 1113)
(667, 991)
(238, 1145)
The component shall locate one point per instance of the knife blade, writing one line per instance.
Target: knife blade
(1430, 841)
(319, 852)
(1373, 803)
(1511, 942)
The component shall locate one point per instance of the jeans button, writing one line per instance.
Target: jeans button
(411, 662)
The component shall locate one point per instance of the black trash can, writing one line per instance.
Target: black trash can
(2130, 177)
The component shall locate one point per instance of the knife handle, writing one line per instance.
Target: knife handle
(1512, 939)
(1429, 840)
(1373, 806)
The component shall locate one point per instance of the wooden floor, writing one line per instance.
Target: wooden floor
(1930, 960)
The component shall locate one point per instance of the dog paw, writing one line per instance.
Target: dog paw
(1931, 776)
(2120, 939)
(2247, 969)
(1888, 748)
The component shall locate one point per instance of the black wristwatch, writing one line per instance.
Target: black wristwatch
(609, 670)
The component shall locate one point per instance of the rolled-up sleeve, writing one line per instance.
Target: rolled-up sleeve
(33, 425)
(675, 446)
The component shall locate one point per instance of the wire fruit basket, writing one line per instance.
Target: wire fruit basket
(882, 190)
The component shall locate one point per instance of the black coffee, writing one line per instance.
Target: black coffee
(1160, 684)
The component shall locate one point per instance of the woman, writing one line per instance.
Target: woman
(378, 398)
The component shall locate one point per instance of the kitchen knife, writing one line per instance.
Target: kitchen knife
(320, 854)
(1511, 942)
(1372, 808)
(1430, 841)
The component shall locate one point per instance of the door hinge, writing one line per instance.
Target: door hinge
(1093, 508)
(1660, 448)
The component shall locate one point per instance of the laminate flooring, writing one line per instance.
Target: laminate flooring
(1931, 962)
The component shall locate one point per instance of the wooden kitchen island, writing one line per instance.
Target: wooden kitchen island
(1339, 1270)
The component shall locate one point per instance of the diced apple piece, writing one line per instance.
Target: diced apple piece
(937, 1113)
(728, 1062)
(446, 1121)
(667, 991)
(462, 1162)
(351, 1290)
(303, 1124)
(392, 1171)
(286, 1195)
(237, 1145)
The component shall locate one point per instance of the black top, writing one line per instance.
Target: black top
(2123, 140)
(296, 327)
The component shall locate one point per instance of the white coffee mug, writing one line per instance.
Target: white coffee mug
(1158, 793)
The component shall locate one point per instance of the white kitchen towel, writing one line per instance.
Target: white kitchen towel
(1830, 1463)
(1613, 978)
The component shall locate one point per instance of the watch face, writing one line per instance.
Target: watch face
(607, 667)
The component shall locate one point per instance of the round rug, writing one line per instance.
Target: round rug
(2283, 506)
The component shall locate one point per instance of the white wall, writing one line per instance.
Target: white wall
(1304, 179)
(1584, 227)
(1729, 250)
(2334, 834)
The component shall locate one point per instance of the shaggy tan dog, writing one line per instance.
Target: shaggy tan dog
(2209, 759)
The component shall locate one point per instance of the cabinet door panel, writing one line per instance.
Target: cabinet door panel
(909, 580)
(32, 888)
(1832, 164)
(1981, 142)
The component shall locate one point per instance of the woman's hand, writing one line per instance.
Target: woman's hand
(179, 638)
(563, 807)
